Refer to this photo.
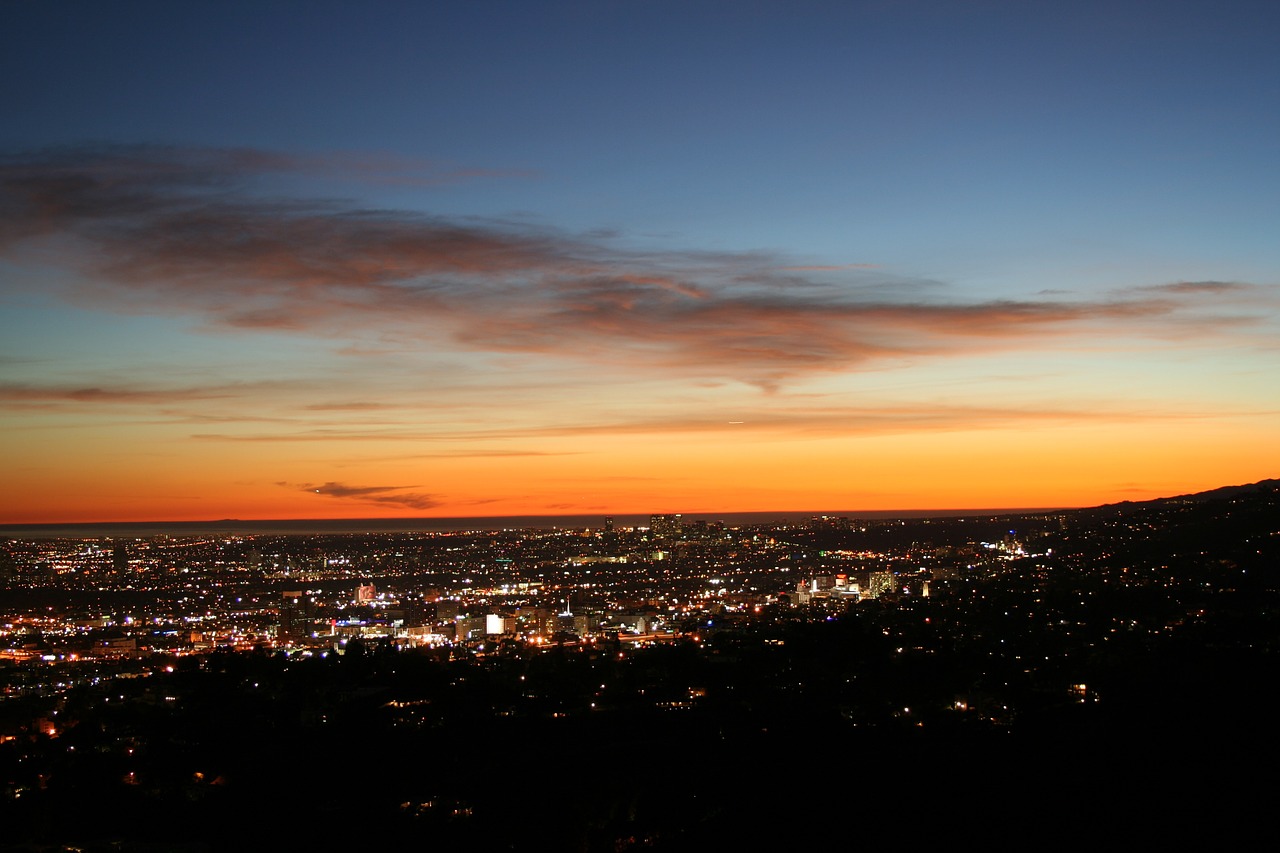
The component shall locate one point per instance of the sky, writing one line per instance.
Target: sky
(340, 260)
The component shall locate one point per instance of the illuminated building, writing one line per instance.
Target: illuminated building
(665, 526)
(120, 557)
(471, 627)
(879, 583)
(297, 612)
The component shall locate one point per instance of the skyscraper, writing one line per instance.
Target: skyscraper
(664, 526)
(297, 613)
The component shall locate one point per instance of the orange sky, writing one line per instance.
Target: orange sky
(424, 262)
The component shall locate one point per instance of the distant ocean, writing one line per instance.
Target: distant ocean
(313, 526)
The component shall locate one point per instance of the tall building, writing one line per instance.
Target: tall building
(879, 583)
(665, 526)
(8, 566)
(297, 615)
(119, 557)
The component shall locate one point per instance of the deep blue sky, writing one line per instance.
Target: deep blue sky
(913, 132)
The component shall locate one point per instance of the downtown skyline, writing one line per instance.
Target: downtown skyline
(261, 261)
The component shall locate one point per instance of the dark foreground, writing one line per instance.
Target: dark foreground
(1119, 692)
(394, 749)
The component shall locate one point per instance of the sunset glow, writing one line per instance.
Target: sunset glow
(634, 259)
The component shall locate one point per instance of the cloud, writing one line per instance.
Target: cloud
(381, 495)
(481, 453)
(813, 422)
(191, 232)
(1208, 287)
(352, 406)
(46, 394)
(829, 267)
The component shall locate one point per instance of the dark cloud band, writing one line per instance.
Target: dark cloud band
(189, 231)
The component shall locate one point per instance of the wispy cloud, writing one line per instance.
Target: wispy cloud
(54, 394)
(829, 267)
(353, 406)
(188, 231)
(382, 495)
(1201, 287)
(792, 422)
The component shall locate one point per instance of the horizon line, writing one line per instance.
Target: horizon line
(490, 522)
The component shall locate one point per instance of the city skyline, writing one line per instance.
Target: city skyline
(265, 262)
